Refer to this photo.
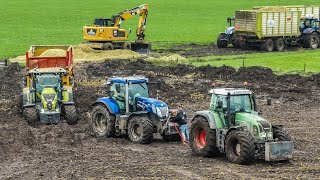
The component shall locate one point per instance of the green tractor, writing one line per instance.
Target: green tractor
(233, 127)
(47, 95)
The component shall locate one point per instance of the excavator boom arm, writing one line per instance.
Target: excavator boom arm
(141, 10)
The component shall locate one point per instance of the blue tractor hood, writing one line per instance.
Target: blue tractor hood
(157, 107)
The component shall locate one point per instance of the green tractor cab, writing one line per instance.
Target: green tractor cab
(233, 127)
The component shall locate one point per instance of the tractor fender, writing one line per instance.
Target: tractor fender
(209, 116)
(110, 104)
(309, 31)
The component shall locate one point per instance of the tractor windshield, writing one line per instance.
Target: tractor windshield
(241, 103)
(136, 90)
(47, 80)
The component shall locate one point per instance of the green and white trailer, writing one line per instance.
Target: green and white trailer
(269, 30)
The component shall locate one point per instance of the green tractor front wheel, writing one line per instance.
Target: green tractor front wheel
(70, 114)
(31, 115)
(240, 147)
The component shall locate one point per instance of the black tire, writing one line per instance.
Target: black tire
(240, 147)
(281, 134)
(140, 129)
(311, 41)
(174, 137)
(31, 116)
(202, 138)
(221, 43)
(70, 114)
(279, 44)
(107, 46)
(267, 45)
(237, 43)
(126, 45)
(102, 122)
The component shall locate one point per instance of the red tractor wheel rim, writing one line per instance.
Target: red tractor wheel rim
(201, 138)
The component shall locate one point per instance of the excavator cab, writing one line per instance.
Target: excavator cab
(104, 22)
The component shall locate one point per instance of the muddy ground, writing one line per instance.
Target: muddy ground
(71, 152)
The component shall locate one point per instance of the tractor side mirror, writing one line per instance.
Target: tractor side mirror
(118, 88)
(70, 80)
(158, 84)
(220, 104)
(228, 20)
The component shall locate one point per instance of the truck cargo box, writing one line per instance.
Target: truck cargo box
(267, 23)
(305, 10)
(49, 57)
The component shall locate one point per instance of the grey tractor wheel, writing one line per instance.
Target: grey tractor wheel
(140, 129)
(31, 116)
(174, 137)
(107, 46)
(126, 45)
(281, 134)
(311, 41)
(279, 44)
(240, 147)
(70, 114)
(202, 138)
(102, 122)
(221, 43)
(267, 45)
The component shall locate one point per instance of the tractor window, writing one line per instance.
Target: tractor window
(241, 103)
(136, 90)
(47, 80)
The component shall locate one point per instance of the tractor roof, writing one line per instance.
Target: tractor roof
(232, 91)
(47, 70)
(132, 79)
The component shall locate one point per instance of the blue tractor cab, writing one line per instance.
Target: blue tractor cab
(309, 28)
(128, 110)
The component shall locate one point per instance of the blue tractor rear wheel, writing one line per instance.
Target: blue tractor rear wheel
(102, 122)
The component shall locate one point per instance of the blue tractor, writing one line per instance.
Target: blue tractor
(228, 36)
(309, 28)
(129, 111)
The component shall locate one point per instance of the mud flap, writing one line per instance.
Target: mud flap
(277, 151)
(141, 47)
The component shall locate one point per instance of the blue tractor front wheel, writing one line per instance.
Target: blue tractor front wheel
(140, 129)
(102, 122)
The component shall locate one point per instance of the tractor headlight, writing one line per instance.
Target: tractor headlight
(159, 113)
(255, 131)
(49, 97)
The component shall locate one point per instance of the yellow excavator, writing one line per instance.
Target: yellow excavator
(105, 33)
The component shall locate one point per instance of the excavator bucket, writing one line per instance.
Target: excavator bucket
(141, 47)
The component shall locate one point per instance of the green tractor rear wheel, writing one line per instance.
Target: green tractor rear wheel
(31, 115)
(202, 138)
(70, 114)
(240, 147)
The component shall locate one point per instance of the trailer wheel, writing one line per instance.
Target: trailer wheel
(107, 46)
(279, 44)
(31, 116)
(267, 45)
(221, 43)
(102, 122)
(240, 147)
(311, 41)
(140, 129)
(202, 138)
(126, 45)
(70, 114)
(281, 134)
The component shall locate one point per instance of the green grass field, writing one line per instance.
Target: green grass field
(35, 22)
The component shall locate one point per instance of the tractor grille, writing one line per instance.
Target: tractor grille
(265, 125)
